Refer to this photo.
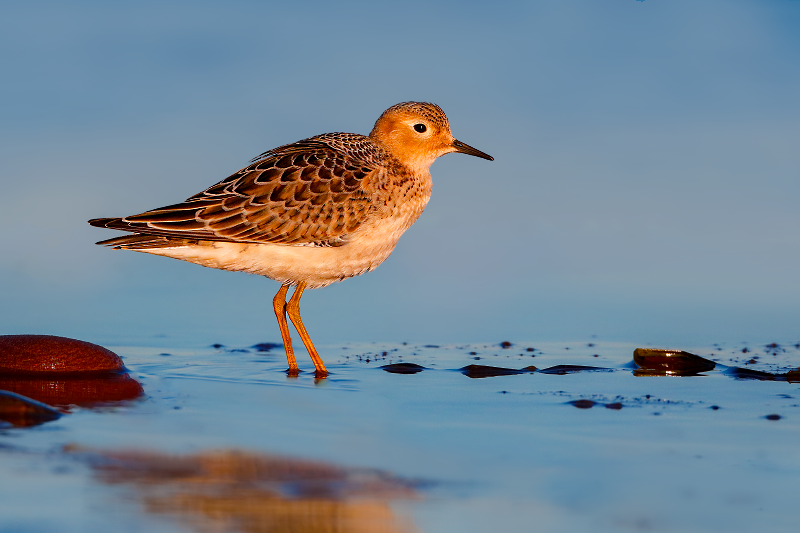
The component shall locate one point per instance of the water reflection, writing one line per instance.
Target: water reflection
(793, 376)
(232, 490)
(30, 401)
(66, 391)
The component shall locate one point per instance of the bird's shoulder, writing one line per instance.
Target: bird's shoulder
(349, 147)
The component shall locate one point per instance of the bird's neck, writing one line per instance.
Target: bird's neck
(418, 162)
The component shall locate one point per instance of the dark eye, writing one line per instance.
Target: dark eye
(420, 128)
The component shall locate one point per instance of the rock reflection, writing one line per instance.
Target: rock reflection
(231, 490)
(64, 391)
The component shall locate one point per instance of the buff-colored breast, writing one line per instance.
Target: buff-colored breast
(319, 266)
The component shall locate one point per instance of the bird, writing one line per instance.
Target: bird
(306, 214)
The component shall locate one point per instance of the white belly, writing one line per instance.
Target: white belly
(316, 265)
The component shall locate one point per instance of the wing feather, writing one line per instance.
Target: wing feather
(313, 192)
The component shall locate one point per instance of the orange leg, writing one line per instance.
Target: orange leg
(293, 309)
(279, 304)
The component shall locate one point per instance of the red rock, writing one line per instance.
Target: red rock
(22, 411)
(40, 354)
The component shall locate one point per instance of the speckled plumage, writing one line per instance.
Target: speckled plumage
(308, 213)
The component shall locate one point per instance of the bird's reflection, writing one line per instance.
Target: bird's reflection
(232, 490)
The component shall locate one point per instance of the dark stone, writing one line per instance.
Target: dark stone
(403, 368)
(21, 411)
(670, 362)
(482, 371)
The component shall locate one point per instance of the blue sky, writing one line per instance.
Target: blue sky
(645, 183)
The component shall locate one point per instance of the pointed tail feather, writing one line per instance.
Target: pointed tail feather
(141, 242)
(104, 222)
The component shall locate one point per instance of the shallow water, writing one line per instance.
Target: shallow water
(223, 440)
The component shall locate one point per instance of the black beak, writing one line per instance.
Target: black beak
(467, 149)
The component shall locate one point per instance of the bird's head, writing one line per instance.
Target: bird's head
(416, 133)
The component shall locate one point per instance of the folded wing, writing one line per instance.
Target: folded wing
(306, 193)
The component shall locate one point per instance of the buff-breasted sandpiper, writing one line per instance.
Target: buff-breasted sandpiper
(306, 214)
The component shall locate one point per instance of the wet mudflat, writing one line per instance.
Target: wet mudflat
(522, 437)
